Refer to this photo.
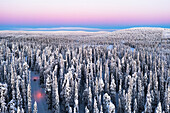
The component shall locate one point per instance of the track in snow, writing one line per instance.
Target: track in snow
(38, 94)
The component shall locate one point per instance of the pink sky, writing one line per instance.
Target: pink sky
(84, 12)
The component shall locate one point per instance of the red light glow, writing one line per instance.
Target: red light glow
(35, 78)
(38, 95)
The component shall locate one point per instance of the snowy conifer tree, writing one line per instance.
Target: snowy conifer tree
(29, 98)
(158, 108)
(148, 106)
(55, 96)
(87, 110)
(48, 91)
(18, 110)
(76, 107)
(141, 95)
(89, 104)
(135, 108)
(113, 91)
(35, 107)
(96, 110)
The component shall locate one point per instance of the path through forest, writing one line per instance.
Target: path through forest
(38, 94)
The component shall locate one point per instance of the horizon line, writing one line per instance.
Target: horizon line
(72, 29)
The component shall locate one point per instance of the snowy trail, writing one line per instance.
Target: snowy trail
(38, 94)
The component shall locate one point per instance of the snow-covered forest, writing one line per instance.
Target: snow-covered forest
(115, 76)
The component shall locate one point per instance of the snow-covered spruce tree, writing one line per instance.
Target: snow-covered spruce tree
(12, 108)
(32, 59)
(42, 67)
(148, 106)
(166, 100)
(87, 110)
(24, 93)
(134, 89)
(123, 64)
(109, 107)
(3, 94)
(120, 88)
(96, 89)
(128, 101)
(20, 70)
(101, 82)
(95, 108)
(76, 106)
(22, 110)
(135, 108)
(29, 98)
(161, 83)
(37, 60)
(65, 94)
(134, 68)
(55, 96)
(128, 84)
(86, 92)
(113, 91)
(18, 97)
(55, 70)
(101, 70)
(99, 102)
(122, 102)
(25, 73)
(90, 77)
(29, 77)
(89, 103)
(106, 77)
(158, 108)
(127, 69)
(71, 76)
(5, 73)
(35, 107)
(151, 80)
(12, 78)
(98, 68)
(18, 110)
(120, 106)
(156, 93)
(70, 110)
(61, 72)
(48, 92)
(145, 80)
(101, 109)
(140, 96)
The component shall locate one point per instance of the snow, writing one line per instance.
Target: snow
(166, 33)
(72, 71)
(26, 58)
(38, 94)
(110, 47)
(132, 49)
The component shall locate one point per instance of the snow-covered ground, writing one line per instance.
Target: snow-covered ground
(132, 49)
(38, 94)
(110, 47)
(166, 33)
